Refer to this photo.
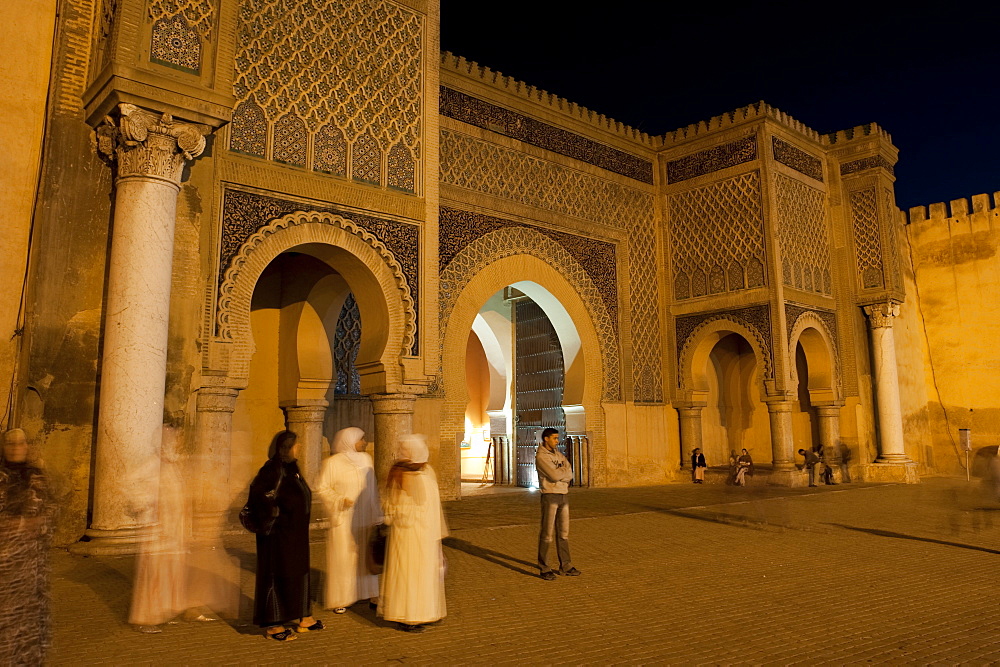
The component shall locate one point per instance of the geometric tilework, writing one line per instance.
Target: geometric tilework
(346, 346)
(482, 166)
(400, 172)
(248, 131)
(802, 236)
(867, 242)
(352, 64)
(717, 237)
(176, 44)
(290, 140)
(472, 110)
(199, 14)
(647, 375)
(331, 151)
(243, 213)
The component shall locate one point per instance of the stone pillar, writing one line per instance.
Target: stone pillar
(784, 472)
(150, 152)
(690, 423)
(212, 460)
(829, 438)
(892, 463)
(306, 421)
(393, 419)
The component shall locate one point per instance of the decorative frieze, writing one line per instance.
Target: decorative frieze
(797, 159)
(472, 110)
(713, 159)
(866, 163)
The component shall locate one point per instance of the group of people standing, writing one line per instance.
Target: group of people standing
(410, 589)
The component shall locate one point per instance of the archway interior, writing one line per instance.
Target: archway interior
(524, 373)
(805, 422)
(307, 333)
(735, 417)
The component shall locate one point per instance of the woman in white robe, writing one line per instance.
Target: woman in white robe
(349, 493)
(413, 581)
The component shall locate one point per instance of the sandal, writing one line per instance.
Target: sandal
(317, 625)
(340, 610)
(285, 635)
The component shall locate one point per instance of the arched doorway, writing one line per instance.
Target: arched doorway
(735, 416)
(816, 411)
(521, 344)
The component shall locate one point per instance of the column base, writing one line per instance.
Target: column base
(788, 477)
(120, 542)
(901, 472)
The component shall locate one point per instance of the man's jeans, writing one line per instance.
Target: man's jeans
(555, 524)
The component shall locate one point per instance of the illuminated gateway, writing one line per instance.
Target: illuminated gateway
(237, 216)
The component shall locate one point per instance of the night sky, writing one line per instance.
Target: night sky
(931, 77)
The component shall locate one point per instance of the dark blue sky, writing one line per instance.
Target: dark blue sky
(928, 74)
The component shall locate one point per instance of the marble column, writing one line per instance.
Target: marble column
(150, 151)
(393, 419)
(212, 460)
(306, 421)
(779, 412)
(690, 423)
(890, 415)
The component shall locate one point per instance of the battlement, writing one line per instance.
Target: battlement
(759, 109)
(532, 94)
(843, 136)
(959, 208)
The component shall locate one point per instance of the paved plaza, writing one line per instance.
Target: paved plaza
(678, 574)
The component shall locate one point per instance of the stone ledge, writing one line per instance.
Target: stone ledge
(903, 472)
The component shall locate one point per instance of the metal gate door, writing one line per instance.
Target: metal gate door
(538, 384)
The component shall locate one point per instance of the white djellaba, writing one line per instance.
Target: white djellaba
(413, 580)
(350, 495)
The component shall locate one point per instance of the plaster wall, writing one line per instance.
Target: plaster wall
(643, 444)
(24, 78)
(956, 275)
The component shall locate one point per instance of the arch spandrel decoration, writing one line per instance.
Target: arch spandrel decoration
(696, 336)
(511, 241)
(317, 228)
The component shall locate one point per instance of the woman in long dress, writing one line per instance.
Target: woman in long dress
(349, 493)
(282, 586)
(413, 581)
(26, 518)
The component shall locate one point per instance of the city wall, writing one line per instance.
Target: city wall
(953, 319)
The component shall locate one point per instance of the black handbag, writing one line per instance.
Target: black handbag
(375, 555)
(250, 519)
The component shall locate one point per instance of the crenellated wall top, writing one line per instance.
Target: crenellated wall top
(956, 208)
(753, 111)
(510, 85)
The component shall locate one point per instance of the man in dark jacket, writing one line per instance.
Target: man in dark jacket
(810, 464)
(554, 476)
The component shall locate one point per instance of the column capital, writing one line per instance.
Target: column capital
(217, 399)
(305, 413)
(882, 315)
(150, 145)
(387, 404)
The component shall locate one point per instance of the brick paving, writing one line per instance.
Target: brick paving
(679, 574)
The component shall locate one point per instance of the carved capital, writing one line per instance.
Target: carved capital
(217, 399)
(882, 315)
(389, 404)
(144, 144)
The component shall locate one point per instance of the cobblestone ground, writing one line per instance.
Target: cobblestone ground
(679, 574)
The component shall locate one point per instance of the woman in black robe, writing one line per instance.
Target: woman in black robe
(282, 591)
(26, 518)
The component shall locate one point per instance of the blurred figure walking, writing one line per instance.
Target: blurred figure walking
(26, 519)
(349, 493)
(279, 494)
(412, 592)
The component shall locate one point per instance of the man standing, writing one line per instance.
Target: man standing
(554, 476)
(810, 464)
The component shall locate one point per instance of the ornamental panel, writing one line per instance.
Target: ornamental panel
(718, 225)
(797, 159)
(713, 159)
(803, 236)
(867, 239)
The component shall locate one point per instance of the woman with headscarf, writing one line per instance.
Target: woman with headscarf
(25, 529)
(279, 492)
(412, 592)
(349, 493)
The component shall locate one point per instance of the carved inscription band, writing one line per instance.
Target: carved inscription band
(797, 159)
(713, 159)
